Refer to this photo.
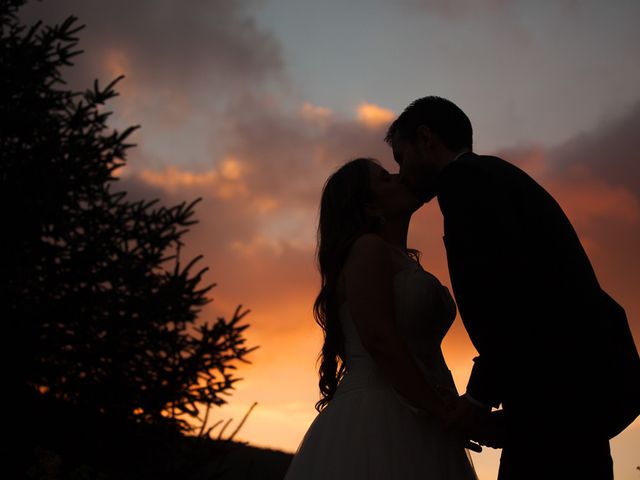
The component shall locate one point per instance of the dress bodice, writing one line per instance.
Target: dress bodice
(368, 431)
(424, 312)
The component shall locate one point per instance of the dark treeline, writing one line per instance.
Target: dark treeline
(109, 368)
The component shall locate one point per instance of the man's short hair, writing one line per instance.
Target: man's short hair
(442, 116)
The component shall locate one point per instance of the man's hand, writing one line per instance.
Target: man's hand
(477, 423)
(473, 446)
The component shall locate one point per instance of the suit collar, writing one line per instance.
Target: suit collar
(432, 192)
(460, 155)
(443, 173)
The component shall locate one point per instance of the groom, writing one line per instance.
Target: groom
(555, 351)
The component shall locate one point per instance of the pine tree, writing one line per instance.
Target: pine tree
(100, 318)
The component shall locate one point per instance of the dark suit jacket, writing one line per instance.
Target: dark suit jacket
(526, 291)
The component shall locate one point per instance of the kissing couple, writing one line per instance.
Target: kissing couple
(557, 373)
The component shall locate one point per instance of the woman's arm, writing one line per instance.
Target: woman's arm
(368, 274)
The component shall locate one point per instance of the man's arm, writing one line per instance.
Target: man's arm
(481, 232)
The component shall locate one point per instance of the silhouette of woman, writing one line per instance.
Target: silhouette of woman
(385, 388)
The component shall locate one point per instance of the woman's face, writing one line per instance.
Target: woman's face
(390, 197)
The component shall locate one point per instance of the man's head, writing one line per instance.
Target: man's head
(424, 138)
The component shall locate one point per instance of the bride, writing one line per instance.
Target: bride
(386, 392)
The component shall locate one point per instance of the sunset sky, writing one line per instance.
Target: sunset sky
(252, 104)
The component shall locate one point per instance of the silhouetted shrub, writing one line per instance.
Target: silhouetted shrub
(99, 319)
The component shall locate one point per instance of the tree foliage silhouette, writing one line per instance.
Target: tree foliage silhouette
(100, 320)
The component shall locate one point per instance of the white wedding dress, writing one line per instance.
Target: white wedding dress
(367, 431)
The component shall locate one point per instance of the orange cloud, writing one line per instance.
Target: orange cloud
(587, 198)
(116, 63)
(258, 245)
(315, 113)
(225, 181)
(374, 116)
(231, 169)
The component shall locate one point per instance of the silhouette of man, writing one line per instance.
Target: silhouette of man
(554, 349)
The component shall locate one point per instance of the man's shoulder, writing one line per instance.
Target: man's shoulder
(468, 168)
(485, 179)
(481, 169)
(475, 161)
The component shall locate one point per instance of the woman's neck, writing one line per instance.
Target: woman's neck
(395, 232)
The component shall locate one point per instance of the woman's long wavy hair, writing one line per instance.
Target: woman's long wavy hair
(343, 218)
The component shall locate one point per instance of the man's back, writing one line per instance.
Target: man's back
(527, 293)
